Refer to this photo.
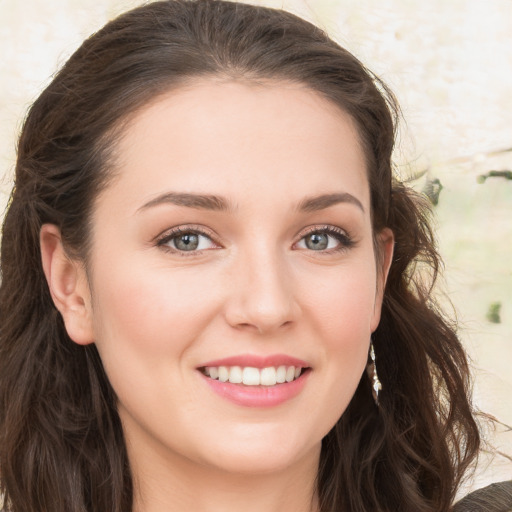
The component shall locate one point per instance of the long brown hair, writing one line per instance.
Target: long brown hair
(61, 441)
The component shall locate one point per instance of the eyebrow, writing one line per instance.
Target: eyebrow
(197, 201)
(315, 203)
(218, 203)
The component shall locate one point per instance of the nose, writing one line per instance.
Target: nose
(262, 297)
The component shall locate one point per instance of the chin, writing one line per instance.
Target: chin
(261, 453)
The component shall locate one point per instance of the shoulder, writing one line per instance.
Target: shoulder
(493, 498)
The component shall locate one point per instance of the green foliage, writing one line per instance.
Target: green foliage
(493, 313)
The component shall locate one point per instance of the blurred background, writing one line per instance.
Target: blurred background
(449, 62)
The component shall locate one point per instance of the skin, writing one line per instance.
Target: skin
(255, 286)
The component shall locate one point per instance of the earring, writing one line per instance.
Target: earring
(371, 369)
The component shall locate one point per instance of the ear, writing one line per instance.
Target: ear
(386, 244)
(68, 285)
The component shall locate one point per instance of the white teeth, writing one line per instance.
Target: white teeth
(281, 375)
(223, 373)
(268, 377)
(235, 375)
(250, 376)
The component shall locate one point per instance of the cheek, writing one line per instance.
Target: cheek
(342, 300)
(341, 306)
(147, 325)
(150, 312)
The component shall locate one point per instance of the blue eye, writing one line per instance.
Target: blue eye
(186, 242)
(181, 240)
(325, 239)
(317, 241)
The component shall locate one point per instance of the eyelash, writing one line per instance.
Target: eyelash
(345, 240)
(168, 236)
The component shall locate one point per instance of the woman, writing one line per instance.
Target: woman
(211, 297)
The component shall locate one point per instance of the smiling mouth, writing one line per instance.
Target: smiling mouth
(250, 376)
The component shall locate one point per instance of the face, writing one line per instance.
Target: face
(235, 243)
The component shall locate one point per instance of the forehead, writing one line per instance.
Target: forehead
(216, 136)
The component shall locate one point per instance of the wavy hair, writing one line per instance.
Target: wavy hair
(61, 440)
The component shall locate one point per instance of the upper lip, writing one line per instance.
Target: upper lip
(257, 361)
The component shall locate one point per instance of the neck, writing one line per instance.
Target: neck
(182, 485)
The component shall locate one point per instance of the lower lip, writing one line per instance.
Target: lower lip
(258, 396)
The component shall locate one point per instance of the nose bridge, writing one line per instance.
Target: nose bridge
(263, 295)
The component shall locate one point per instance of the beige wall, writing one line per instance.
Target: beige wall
(450, 64)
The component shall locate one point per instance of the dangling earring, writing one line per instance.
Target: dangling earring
(371, 369)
